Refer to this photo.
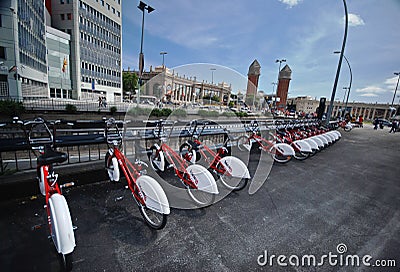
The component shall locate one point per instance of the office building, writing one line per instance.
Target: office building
(96, 42)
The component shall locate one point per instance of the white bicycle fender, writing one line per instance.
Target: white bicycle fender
(162, 161)
(332, 135)
(41, 181)
(62, 230)
(235, 167)
(202, 178)
(303, 146)
(285, 149)
(319, 142)
(328, 137)
(153, 194)
(323, 139)
(115, 174)
(312, 143)
(337, 133)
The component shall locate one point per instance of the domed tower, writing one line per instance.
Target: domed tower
(253, 75)
(285, 75)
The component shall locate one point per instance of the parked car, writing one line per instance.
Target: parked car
(384, 122)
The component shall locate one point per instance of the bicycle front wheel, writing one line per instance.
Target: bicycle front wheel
(154, 219)
(231, 182)
(244, 143)
(112, 168)
(66, 262)
(201, 198)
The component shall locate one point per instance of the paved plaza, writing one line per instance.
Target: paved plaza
(346, 196)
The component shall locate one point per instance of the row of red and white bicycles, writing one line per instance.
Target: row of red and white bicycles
(287, 140)
(204, 170)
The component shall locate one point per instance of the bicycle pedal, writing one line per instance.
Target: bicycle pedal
(119, 198)
(36, 227)
(170, 166)
(74, 227)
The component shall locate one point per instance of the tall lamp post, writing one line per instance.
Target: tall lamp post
(274, 90)
(351, 80)
(142, 6)
(279, 70)
(395, 91)
(14, 37)
(163, 53)
(212, 79)
(346, 24)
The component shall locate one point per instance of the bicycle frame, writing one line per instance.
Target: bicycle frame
(145, 190)
(130, 172)
(192, 176)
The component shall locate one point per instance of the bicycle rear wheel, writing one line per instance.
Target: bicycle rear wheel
(231, 182)
(154, 219)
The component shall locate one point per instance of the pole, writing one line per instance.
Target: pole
(395, 90)
(328, 117)
(141, 61)
(351, 80)
(15, 52)
(279, 70)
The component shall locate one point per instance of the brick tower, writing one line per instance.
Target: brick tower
(252, 83)
(283, 86)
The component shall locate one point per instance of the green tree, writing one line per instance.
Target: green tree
(130, 82)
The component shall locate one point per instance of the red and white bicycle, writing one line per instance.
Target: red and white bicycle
(41, 140)
(198, 181)
(146, 191)
(231, 171)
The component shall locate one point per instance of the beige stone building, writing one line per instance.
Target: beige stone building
(168, 85)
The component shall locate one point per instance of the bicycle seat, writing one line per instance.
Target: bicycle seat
(51, 156)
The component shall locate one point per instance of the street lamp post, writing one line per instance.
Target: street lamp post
(328, 117)
(279, 70)
(163, 53)
(142, 6)
(346, 91)
(15, 51)
(212, 79)
(274, 90)
(351, 80)
(395, 90)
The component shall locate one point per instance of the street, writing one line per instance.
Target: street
(349, 193)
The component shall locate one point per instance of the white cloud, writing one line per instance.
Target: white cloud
(391, 82)
(355, 20)
(369, 95)
(371, 91)
(291, 3)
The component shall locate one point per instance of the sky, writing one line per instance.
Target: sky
(231, 34)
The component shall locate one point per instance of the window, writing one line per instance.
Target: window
(1, 24)
(62, 17)
(69, 16)
(113, 9)
(62, 2)
(2, 52)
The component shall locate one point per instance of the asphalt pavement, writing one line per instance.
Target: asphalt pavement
(345, 200)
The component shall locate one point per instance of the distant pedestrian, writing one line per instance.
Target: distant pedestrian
(394, 127)
(100, 101)
(375, 123)
(360, 121)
